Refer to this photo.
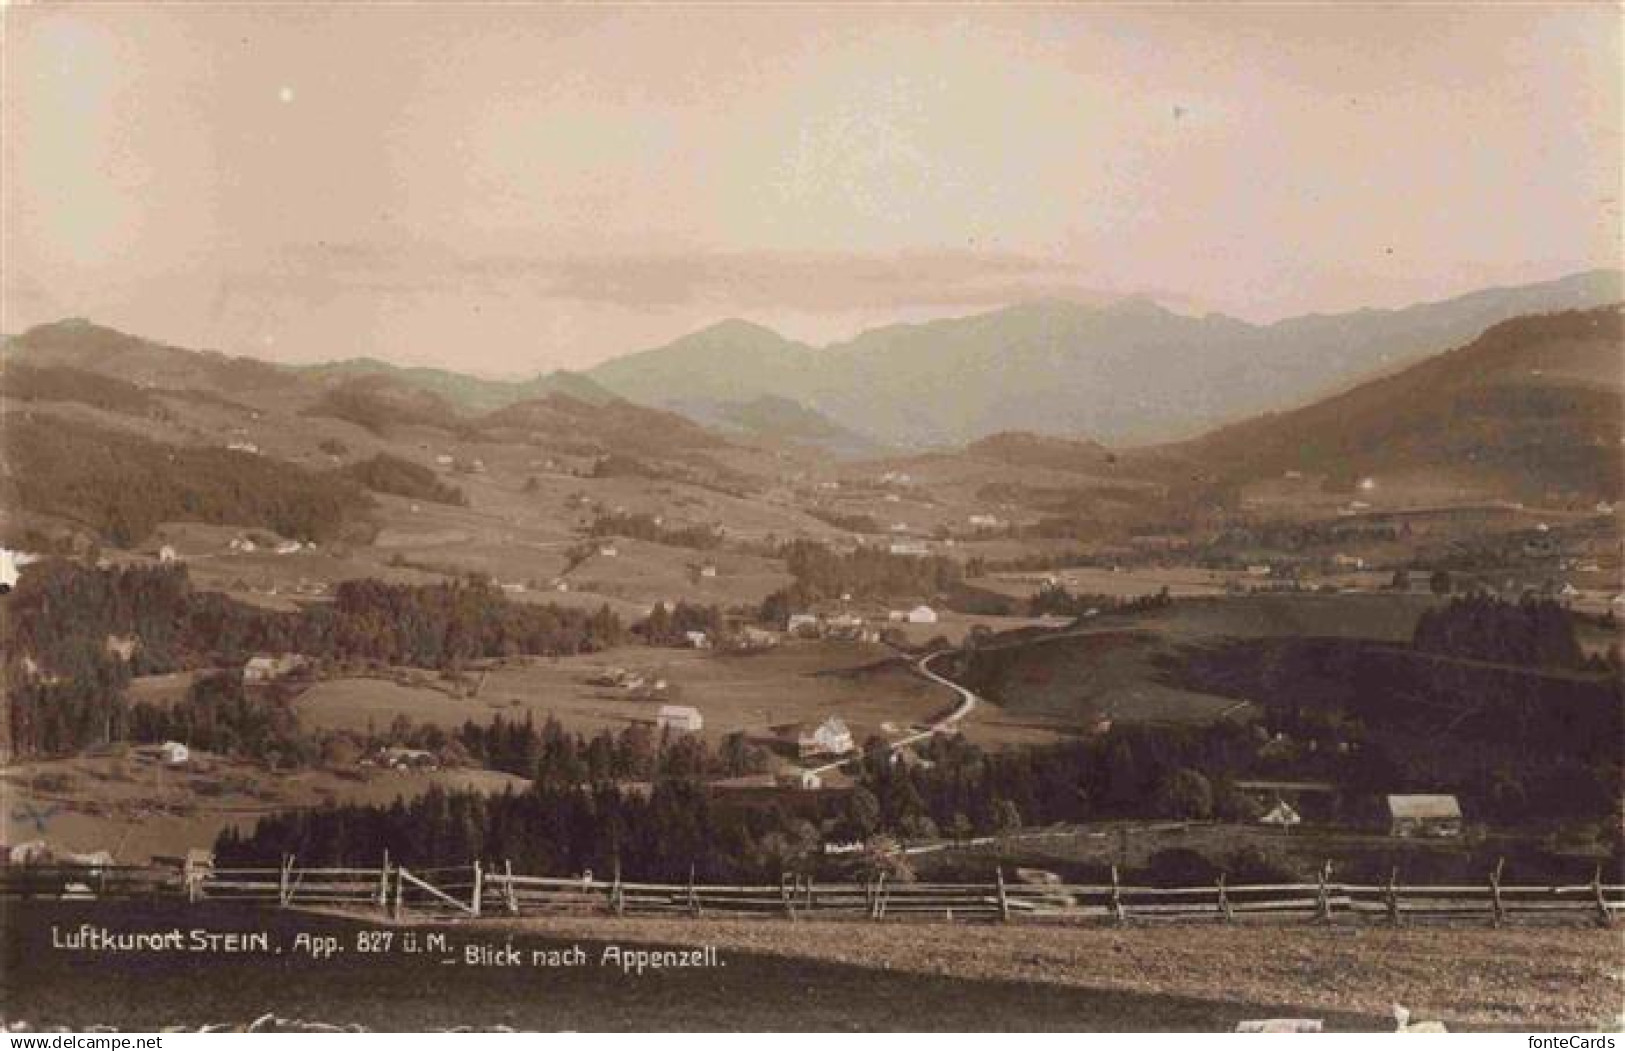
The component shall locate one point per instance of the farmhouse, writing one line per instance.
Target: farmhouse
(708, 570)
(680, 717)
(167, 554)
(262, 669)
(697, 640)
(173, 753)
(922, 615)
(830, 738)
(1424, 815)
(802, 623)
(912, 548)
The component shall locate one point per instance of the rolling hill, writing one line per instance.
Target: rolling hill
(1531, 406)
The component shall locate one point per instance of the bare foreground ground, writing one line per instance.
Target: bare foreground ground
(778, 975)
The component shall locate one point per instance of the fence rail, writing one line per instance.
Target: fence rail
(483, 890)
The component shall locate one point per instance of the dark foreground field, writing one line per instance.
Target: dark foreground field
(764, 982)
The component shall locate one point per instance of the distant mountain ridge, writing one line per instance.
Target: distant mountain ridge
(1130, 371)
(469, 392)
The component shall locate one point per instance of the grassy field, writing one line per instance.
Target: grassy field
(818, 977)
(124, 801)
(799, 681)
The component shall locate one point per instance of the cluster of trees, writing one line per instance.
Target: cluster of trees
(1134, 771)
(674, 831)
(667, 626)
(822, 573)
(637, 526)
(121, 486)
(220, 715)
(391, 474)
(1534, 632)
(554, 757)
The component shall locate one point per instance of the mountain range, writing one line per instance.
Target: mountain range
(1127, 372)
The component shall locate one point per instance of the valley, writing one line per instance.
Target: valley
(640, 596)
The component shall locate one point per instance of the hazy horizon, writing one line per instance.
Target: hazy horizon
(512, 190)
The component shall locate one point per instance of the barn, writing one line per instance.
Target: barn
(1424, 816)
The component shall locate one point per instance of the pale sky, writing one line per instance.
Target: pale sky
(513, 189)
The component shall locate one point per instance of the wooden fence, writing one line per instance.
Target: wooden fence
(484, 890)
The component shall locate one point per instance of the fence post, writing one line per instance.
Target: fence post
(1393, 897)
(1004, 902)
(1119, 914)
(1226, 913)
(507, 887)
(1604, 917)
(383, 882)
(693, 897)
(1323, 900)
(617, 893)
(284, 891)
(880, 897)
(479, 890)
(1497, 908)
(400, 890)
(784, 894)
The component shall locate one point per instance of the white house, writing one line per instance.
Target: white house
(830, 738)
(911, 548)
(173, 753)
(243, 544)
(680, 717)
(289, 547)
(922, 615)
(608, 550)
(708, 570)
(697, 640)
(801, 622)
(168, 554)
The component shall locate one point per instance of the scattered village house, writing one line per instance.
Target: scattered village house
(1424, 815)
(802, 623)
(697, 640)
(407, 759)
(680, 717)
(173, 753)
(922, 615)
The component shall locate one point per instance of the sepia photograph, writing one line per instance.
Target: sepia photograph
(811, 518)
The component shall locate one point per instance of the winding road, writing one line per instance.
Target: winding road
(967, 701)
